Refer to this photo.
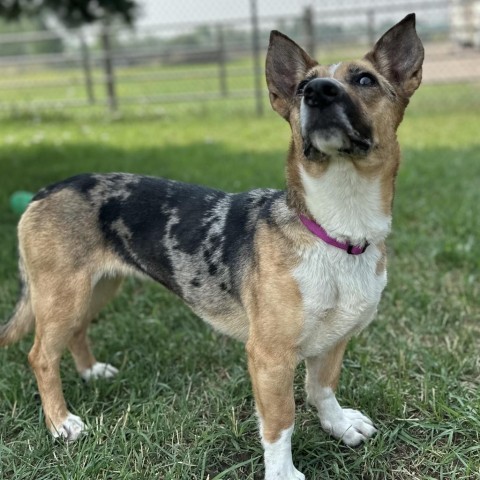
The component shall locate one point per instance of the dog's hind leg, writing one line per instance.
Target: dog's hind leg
(323, 372)
(85, 362)
(59, 303)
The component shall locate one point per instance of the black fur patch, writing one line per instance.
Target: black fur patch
(195, 240)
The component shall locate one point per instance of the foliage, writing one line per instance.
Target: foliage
(71, 12)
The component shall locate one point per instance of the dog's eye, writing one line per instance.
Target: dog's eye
(301, 86)
(366, 80)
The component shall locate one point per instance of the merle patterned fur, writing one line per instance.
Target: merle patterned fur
(197, 241)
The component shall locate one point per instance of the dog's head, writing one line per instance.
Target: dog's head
(350, 108)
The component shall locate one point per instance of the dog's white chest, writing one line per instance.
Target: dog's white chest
(340, 295)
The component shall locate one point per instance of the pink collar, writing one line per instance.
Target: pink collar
(321, 233)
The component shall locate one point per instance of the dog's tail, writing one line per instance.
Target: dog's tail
(23, 318)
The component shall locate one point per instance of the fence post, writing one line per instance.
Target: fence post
(108, 66)
(371, 27)
(257, 67)
(309, 25)
(222, 62)
(87, 68)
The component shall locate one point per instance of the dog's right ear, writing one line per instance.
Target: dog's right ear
(286, 66)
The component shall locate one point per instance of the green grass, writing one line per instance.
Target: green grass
(182, 407)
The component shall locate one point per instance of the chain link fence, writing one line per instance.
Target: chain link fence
(214, 50)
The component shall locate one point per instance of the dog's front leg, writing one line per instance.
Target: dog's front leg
(349, 425)
(272, 369)
(275, 311)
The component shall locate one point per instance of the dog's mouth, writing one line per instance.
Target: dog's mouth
(333, 125)
(324, 143)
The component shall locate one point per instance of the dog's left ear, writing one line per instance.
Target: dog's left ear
(286, 66)
(398, 56)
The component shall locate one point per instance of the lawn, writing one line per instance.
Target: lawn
(181, 407)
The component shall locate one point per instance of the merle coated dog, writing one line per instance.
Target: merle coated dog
(292, 273)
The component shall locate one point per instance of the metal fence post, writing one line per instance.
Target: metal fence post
(222, 62)
(87, 68)
(108, 67)
(257, 67)
(371, 27)
(309, 24)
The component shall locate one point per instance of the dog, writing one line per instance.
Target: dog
(293, 274)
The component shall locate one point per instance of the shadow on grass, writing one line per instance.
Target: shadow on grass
(34, 166)
(30, 167)
(437, 190)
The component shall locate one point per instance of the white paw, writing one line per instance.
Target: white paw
(288, 473)
(70, 429)
(350, 426)
(99, 370)
(278, 457)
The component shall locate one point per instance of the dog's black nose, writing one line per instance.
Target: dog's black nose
(321, 92)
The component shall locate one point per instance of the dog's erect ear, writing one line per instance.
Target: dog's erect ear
(398, 56)
(286, 65)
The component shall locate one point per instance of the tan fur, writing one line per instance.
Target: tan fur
(56, 319)
(63, 296)
(104, 290)
(382, 163)
(20, 324)
(382, 263)
(326, 370)
(275, 309)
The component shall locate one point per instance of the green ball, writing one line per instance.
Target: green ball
(19, 201)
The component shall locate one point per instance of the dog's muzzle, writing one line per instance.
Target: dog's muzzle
(332, 123)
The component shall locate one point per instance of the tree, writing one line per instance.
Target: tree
(72, 12)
